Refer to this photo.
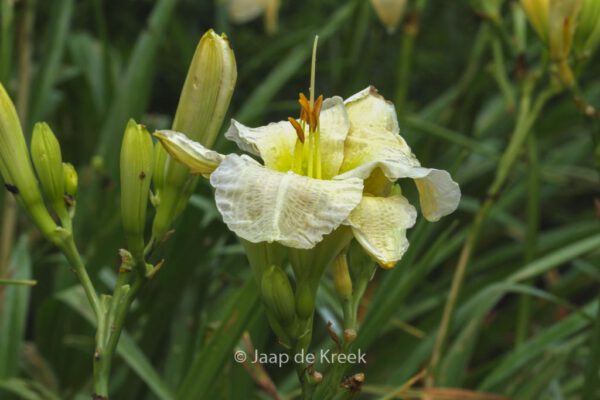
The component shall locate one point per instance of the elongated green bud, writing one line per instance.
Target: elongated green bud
(202, 107)
(278, 295)
(47, 160)
(341, 276)
(71, 180)
(207, 89)
(136, 173)
(16, 168)
(587, 33)
(305, 300)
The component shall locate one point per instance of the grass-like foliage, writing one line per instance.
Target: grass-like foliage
(130, 286)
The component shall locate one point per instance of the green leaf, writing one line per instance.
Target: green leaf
(14, 300)
(134, 89)
(522, 355)
(209, 361)
(56, 33)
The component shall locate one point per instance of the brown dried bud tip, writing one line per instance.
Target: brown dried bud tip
(317, 376)
(349, 335)
(354, 383)
(334, 336)
(597, 204)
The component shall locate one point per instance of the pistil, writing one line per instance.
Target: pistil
(307, 151)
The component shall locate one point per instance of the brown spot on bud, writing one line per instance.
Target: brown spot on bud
(69, 201)
(11, 188)
(142, 175)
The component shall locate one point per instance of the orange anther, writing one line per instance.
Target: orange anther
(298, 128)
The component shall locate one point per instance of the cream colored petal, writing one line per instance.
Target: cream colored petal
(262, 205)
(439, 195)
(334, 126)
(389, 12)
(374, 142)
(374, 132)
(199, 159)
(274, 143)
(380, 223)
(369, 109)
(241, 11)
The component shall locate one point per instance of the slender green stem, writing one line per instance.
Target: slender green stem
(121, 301)
(70, 251)
(499, 71)
(533, 216)
(408, 40)
(411, 31)
(527, 115)
(23, 282)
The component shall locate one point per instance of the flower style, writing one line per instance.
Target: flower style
(334, 166)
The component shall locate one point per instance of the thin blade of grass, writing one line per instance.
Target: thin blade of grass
(211, 358)
(14, 302)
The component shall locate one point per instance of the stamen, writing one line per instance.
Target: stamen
(298, 128)
(305, 108)
(316, 112)
(318, 168)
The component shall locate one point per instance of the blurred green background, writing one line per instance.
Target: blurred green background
(86, 66)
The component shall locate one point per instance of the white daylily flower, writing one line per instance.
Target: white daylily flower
(328, 169)
(242, 11)
(390, 12)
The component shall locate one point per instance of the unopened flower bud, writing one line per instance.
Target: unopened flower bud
(305, 300)
(47, 160)
(587, 33)
(202, 107)
(341, 276)
(390, 12)
(242, 11)
(555, 22)
(538, 14)
(71, 180)
(278, 295)
(136, 172)
(16, 168)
